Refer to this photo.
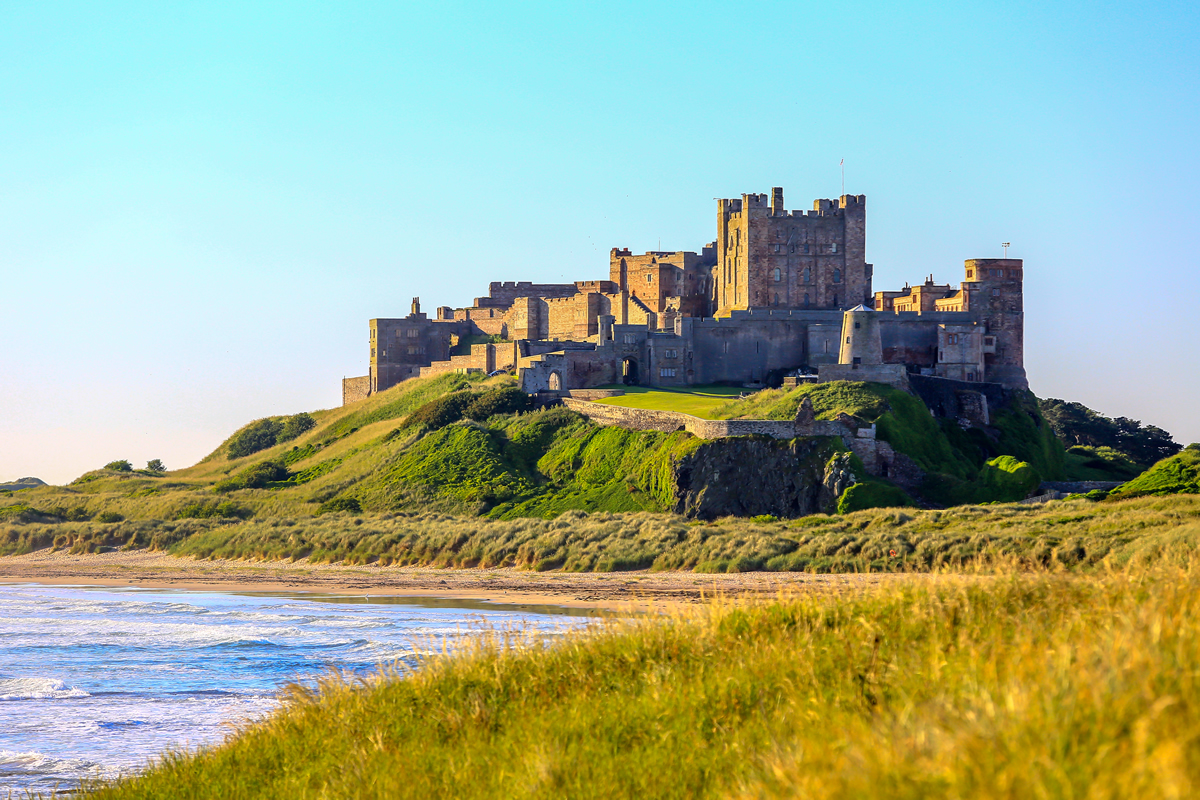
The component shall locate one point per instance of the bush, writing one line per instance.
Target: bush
(872, 494)
(109, 516)
(224, 510)
(294, 426)
(348, 504)
(256, 476)
(254, 437)
(156, 465)
(505, 400)
(443, 411)
(119, 466)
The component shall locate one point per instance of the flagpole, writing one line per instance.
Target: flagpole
(843, 165)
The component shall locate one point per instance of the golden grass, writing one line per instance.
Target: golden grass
(1020, 685)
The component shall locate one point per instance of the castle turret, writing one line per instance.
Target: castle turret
(860, 337)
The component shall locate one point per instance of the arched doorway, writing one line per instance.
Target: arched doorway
(629, 372)
(555, 382)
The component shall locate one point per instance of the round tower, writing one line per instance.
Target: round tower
(860, 337)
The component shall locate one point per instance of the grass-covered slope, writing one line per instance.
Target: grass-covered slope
(1014, 687)
(1179, 474)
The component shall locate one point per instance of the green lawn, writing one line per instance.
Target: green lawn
(699, 401)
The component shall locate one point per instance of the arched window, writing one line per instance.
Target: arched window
(778, 274)
(808, 275)
(837, 276)
(555, 382)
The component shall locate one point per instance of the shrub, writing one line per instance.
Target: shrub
(349, 504)
(109, 516)
(255, 476)
(294, 426)
(156, 465)
(872, 494)
(505, 400)
(443, 411)
(119, 466)
(224, 510)
(254, 437)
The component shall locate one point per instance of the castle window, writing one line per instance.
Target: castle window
(671, 354)
(837, 276)
(847, 340)
(777, 298)
(807, 272)
(778, 274)
(970, 274)
(631, 338)
(385, 353)
(995, 292)
(649, 277)
(835, 300)
(833, 247)
(857, 361)
(806, 299)
(806, 249)
(776, 248)
(413, 333)
(792, 248)
(989, 341)
(970, 376)
(857, 326)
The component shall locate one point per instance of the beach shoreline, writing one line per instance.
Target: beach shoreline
(634, 591)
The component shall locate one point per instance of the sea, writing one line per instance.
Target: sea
(97, 682)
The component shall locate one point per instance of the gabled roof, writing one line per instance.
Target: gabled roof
(861, 307)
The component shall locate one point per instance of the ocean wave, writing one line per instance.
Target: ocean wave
(37, 689)
(32, 762)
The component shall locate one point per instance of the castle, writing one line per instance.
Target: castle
(778, 292)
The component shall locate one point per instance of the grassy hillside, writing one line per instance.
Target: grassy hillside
(1076, 534)
(1013, 687)
(1179, 474)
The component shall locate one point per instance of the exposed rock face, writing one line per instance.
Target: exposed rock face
(752, 475)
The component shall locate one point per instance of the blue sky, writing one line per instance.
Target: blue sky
(201, 205)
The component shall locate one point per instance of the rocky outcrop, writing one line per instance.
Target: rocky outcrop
(752, 475)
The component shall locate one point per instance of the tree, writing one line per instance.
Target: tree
(156, 465)
(119, 466)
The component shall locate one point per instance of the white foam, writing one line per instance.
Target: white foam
(37, 689)
(32, 762)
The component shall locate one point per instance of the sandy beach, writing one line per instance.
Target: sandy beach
(618, 591)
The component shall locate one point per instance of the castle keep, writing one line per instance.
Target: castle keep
(778, 292)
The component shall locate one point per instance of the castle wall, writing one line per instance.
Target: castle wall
(400, 347)
(355, 389)
(501, 294)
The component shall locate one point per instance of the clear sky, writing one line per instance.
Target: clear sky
(202, 204)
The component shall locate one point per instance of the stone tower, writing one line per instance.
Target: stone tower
(768, 257)
(993, 293)
(860, 337)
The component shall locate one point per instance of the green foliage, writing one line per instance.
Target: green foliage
(266, 433)
(109, 516)
(1099, 464)
(294, 426)
(502, 400)
(1003, 479)
(255, 476)
(156, 466)
(223, 510)
(348, 505)
(256, 436)
(1077, 425)
(1006, 688)
(1179, 474)
(872, 494)
(1029, 437)
(119, 466)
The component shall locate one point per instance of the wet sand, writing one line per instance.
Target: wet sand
(618, 591)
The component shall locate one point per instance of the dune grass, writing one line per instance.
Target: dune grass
(1072, 534)
(1013, 686)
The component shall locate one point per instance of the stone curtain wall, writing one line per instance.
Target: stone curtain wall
(355, 389)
